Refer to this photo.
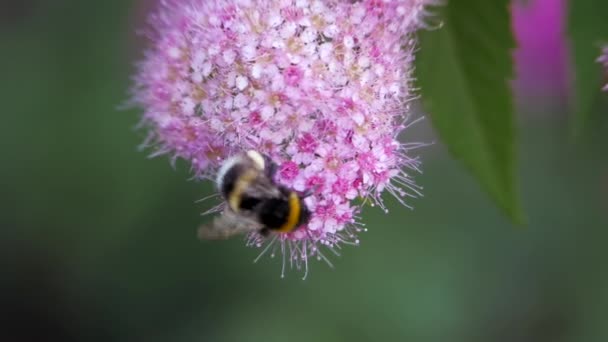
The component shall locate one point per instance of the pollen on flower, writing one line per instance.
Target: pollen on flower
(320, 86)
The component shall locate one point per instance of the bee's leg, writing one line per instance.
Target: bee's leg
(271, 167)
(265, 232)
(309, 192)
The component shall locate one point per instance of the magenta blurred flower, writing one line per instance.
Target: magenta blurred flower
(322, 87)
(604, 60)
(541, 55)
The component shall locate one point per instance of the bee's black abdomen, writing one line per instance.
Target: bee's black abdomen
(274, 212)
(249, 203)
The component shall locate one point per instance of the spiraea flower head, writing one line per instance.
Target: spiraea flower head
(604, 60)
(320, 86)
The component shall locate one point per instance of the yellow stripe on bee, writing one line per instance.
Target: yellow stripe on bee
(294, 214)
(234, 198)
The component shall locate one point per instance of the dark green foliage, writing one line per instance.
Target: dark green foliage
(588, 30)
(463, 70)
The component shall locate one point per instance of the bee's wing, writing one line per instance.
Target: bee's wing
(262, 188)
(227, 225)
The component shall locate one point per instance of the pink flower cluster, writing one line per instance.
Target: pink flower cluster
(320, 86)
(604, 60)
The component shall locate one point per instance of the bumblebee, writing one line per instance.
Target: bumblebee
(254, 201)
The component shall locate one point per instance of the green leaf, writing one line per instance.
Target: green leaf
(463, 69)
(588, 29)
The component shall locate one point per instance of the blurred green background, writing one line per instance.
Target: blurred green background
(98, 243)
